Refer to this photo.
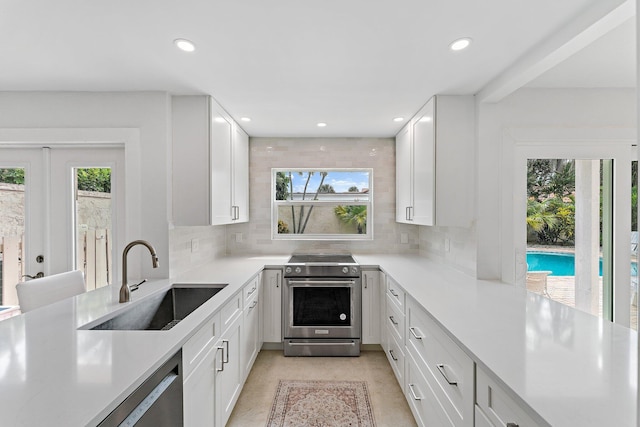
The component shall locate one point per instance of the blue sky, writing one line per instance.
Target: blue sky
(340, 180)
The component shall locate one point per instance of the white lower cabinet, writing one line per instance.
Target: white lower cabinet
(447, 368)
(371, 307)
(272, 305)
(199, 393)
(251, 333)
(497, 408)
(425, 406)
(198, 368)
(228, 371)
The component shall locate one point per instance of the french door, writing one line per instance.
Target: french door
(63, 210)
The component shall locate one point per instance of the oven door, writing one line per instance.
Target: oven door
(322, 317)
(322, 308)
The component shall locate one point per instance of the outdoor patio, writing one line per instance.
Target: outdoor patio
(561, 289)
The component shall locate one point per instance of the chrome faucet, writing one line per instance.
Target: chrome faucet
(125, 291)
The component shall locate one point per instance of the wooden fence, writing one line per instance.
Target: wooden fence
(94, 258)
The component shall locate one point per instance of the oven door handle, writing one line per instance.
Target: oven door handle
(321, 282)
(352, 343)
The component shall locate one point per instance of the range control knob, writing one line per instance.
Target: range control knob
(345, 270)
(354, 270)
(287, 270)
(298, 270)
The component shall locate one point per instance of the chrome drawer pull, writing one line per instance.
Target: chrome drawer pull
(226, 343)
(393, 293)
(221, 360)
(253, 305)
(413, 393)
(413, 332)
(251, 291)
(395, 359)
(444, 374)
(393, 320)
(512, 425)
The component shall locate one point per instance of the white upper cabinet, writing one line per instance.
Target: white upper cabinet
(434, 164)
(210, 164)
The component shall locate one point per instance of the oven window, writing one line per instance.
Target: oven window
(321, 306)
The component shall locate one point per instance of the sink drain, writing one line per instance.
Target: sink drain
(170, 325)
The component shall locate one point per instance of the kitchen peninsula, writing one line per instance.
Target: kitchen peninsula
(566, 367)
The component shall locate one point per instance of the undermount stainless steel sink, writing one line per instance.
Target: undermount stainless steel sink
(162, 312)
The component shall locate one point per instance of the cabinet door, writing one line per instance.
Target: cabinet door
(370, 307)
(198, 393)
(404, 166)
(251, 336)
(272, 306)
(240, 176)
(424, 165)
(228, 383)
(220, 161)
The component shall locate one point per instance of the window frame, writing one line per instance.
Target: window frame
(275, 204)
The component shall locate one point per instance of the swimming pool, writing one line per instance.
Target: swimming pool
(561, 264)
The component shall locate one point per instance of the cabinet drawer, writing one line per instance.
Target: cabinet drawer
(230, 311)
(481, 419)
(424, 403)
(449, 369)
(251, 290)
(499, 407)
(395, 293)
(196, 348)
(395, 320)
(395, 354)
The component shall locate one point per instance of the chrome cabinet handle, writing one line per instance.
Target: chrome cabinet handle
(413, 393)
(413, 332)
(226, 344)
(393, 320)
(252, 291)
(221, 368)
(512, 425)
(253, 305)
(395, 359)
(444, 374)
(392, 292)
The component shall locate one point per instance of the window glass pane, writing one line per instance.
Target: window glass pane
(333, 203)
(569, 232)
(12, 214)
(93, 225)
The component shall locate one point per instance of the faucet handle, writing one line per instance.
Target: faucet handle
(136, 286)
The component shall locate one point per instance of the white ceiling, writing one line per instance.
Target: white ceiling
(286, 64)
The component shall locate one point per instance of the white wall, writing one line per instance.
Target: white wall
(537, 109)
(149, 112)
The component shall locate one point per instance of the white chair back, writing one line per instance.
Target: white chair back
(46, 290)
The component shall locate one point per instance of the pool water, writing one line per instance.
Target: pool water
(561, 264)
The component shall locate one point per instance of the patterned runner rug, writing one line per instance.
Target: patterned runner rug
(321, 404)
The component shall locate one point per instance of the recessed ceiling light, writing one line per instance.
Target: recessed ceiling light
(398, 119)
(460, 44)
(321, 124)
(245, 119)
(184, 44)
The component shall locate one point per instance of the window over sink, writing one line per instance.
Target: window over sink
(322, 204)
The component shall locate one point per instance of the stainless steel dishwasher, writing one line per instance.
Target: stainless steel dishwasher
(157, 402)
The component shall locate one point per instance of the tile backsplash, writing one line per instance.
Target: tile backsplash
(267, 153)
(454, 246)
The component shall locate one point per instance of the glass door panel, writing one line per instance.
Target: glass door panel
(569, 232)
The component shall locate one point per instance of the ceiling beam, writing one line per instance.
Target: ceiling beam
(602, 17)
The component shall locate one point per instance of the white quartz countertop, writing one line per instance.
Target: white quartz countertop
(53, 374)
(573, 369)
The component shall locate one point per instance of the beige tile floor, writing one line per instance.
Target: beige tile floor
(254, 404)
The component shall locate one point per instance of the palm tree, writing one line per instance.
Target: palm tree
(538, 216)
(353, 215)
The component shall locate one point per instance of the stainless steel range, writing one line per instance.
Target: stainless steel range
(322, 305)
